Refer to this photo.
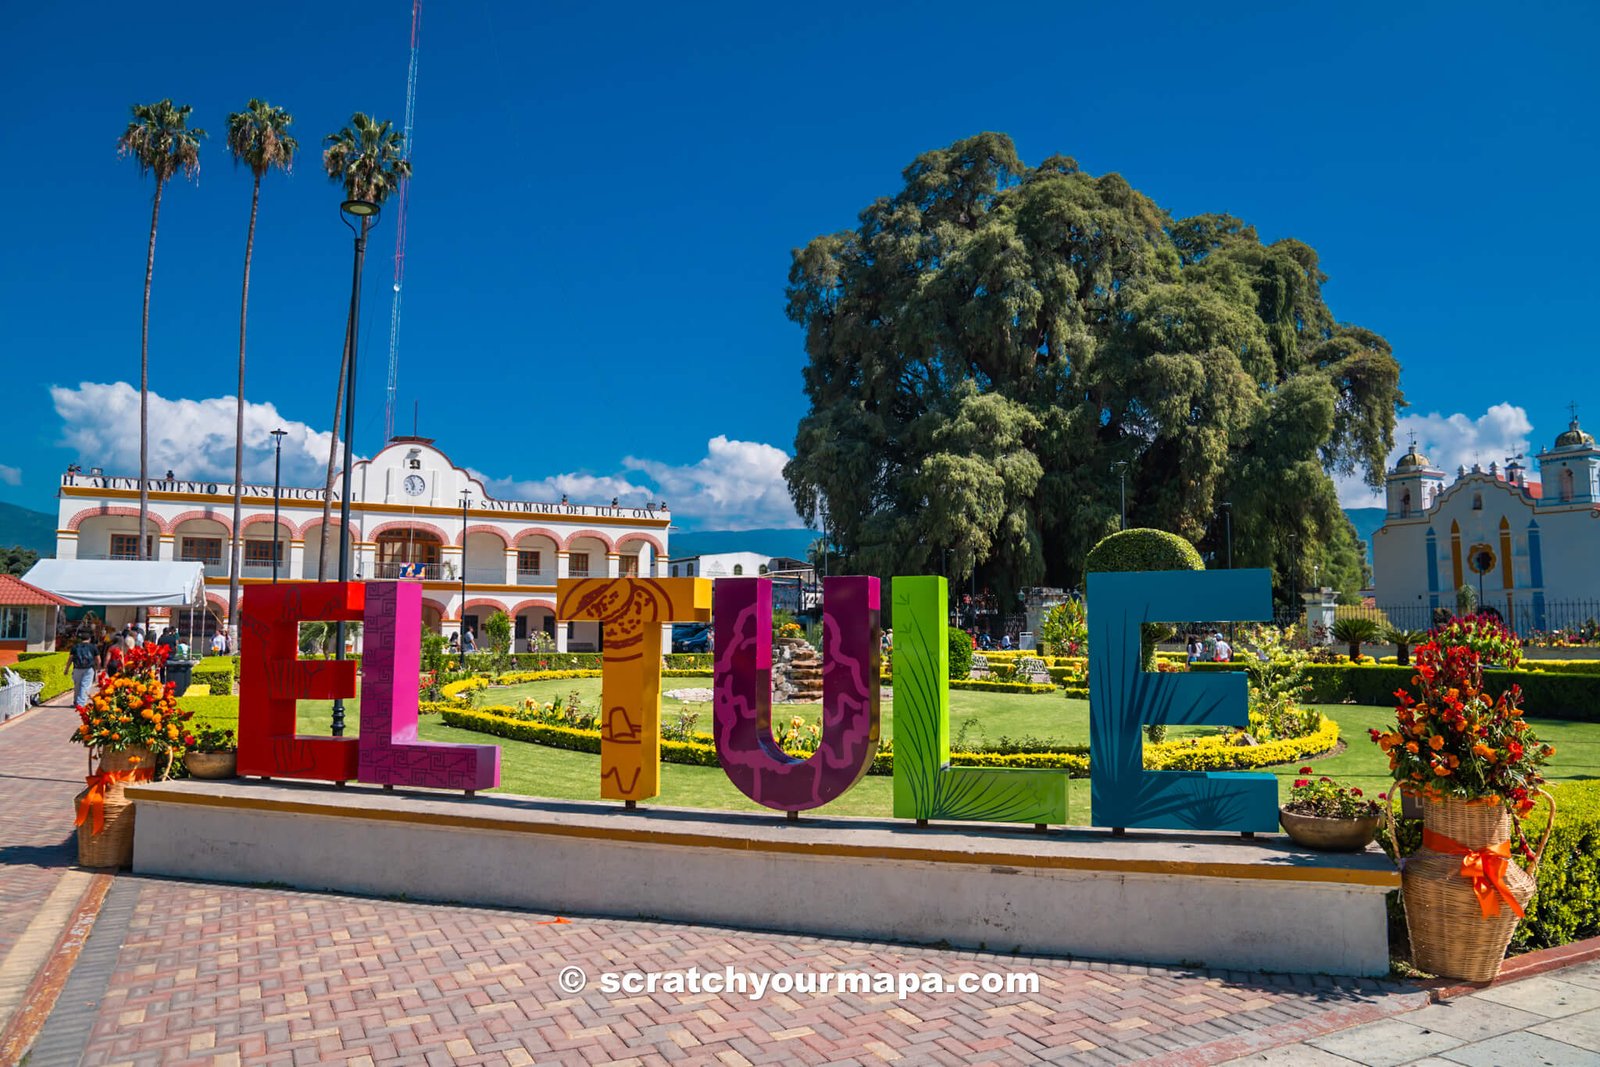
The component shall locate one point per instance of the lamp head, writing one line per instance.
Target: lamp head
(359, 208)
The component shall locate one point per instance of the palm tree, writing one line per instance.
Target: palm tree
(161, 141)
(259, 138)
(368, 158)
(1403, 640)
(1356, 631)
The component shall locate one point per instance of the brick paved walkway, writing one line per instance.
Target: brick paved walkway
(208, 973)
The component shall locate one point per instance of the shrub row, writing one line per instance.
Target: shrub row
(1559, 696)
(50, 668)
(1562, 666)
(1215, 753)
(1001, 687)
(216, 671)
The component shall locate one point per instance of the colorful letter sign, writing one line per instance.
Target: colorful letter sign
(391, 662)
(1123, 698)
(749, 755)
(630, 612)
(272, 676)
(925, 785)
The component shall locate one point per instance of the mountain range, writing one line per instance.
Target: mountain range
(28, 528)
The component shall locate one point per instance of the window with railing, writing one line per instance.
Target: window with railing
(529, 563)
(630, 567)
(261, 553)
(207, 550)
(578, 565)
(13, 624)
(126, 546)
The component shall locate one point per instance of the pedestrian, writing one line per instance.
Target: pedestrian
(468, 644)
(1224, 650)
(219, 643)
(82, 662)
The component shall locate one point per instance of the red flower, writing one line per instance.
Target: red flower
(1301, 783)
(1308, 770)
(1354, 791)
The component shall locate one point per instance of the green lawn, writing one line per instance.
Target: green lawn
(536, 770)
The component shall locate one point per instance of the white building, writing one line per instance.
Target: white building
(1533, 548)
(720, 565)
(407, 521)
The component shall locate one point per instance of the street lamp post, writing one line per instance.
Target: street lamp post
(277, 482)
(366, 211)
(1122, 484)
(465, 500)
(1227, 519)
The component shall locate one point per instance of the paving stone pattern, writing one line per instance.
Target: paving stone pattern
(212, 973)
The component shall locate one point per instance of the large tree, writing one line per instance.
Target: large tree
(994, 340)
(162, 143)
(368, 158)
(259, 138)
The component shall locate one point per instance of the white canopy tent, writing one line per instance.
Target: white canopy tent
(133, 583)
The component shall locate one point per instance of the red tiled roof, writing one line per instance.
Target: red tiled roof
(14, 590)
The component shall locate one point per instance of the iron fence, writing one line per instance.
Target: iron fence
(1527, 616)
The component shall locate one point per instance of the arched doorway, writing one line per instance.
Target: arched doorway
(408, 553)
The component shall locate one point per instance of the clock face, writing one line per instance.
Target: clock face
(414, 485)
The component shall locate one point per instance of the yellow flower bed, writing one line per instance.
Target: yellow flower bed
(1214, 753)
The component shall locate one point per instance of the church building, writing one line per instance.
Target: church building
(1529, 549)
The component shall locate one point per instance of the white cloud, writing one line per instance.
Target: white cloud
(738, 485)
(10, 475)
(1451, 441)
(193, 438)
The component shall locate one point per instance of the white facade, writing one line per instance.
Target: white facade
(406, 521)
(720, 565)
(1531, 547)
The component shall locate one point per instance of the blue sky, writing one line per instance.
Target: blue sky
(606, 198)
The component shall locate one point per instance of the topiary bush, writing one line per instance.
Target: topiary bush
(1145, 550)
(960, 653)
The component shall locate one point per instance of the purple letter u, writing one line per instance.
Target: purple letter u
(751, 758)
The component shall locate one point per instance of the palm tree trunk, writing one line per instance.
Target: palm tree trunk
(333, 457)
(238, 431)
(144, 380)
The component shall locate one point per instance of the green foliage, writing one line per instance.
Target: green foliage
(367, 157)
(1064, 630)
(994, 339)
(960, 653)
(497, 628)
(1466, 600)
(17, 561)
(1556, 696)
(1277, 671)
(216, 672)
(1403, 640)
(1567, 906)
(435, 648)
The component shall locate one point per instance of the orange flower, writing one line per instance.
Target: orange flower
(1442, 772)
(1436, 742)
(1411, 746)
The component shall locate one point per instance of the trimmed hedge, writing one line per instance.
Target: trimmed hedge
(215, 671)
(36, 655)
(1214, 753)
(1563, 666)
(1556, 696)
(1001, 687)
(51, 669)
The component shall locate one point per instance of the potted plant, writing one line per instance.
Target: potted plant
(133, 727)
(1323, 815)
(213, 752)
(1473, 762)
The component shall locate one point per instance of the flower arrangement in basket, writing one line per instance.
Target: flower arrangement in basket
(132, 724)
(1473, 761)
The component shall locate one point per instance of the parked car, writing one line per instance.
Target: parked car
(691, 637)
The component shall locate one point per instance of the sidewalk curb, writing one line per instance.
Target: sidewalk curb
(1293, 1033)
(46, 986)
(1526, 966)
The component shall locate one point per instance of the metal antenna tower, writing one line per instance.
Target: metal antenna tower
(400, 229)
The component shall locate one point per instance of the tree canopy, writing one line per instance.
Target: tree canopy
(994, 341)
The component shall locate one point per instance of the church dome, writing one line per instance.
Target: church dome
(1574, 437)
(1412, 460)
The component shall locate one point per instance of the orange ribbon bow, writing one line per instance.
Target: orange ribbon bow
(1484, 867)
(92, 805)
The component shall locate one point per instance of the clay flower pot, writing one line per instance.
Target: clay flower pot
(1329, 835)
(211, 764)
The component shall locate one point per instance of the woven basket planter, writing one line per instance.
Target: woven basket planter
(1450, 935)
(113, 845)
